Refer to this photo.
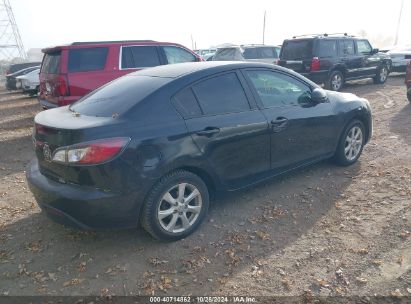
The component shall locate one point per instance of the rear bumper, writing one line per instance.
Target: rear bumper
(81, 206)
(61, 101)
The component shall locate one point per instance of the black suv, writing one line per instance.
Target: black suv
(333, 59)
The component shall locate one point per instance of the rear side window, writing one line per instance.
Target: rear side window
(178, 55)
(186, 103)
(133, 57)
(51, 63)
(221, 94)
(327, 48)
(297, 49)
(347, 47)
(87, 59)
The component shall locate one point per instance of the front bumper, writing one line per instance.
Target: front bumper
(81, 206)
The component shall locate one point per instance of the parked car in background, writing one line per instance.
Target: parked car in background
(30, 82)
(11, 83)
(408, 80)
(20, 66)
(153, 145)
(334, 59)
(261, 53)
(229, 53)
(248, 52)
(69, 72)
(400, 56)
(205, 52)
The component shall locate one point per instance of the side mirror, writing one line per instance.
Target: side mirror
(318, 95)
(375, 51)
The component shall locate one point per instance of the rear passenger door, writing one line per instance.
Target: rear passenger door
(228, 129)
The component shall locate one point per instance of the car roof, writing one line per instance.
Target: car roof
(209, 67)
(105, 44)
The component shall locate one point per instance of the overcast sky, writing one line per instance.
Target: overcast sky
(50, 22)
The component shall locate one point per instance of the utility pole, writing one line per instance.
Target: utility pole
(264, 28)
(11, 45)
(399, 22)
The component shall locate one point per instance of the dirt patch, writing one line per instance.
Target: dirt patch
(325, 230)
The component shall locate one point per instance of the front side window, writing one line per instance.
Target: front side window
(221, 94)
(178, 55)
(279, 90)
(347, 47)
(363, 46)
(133, 57)
(87, 59)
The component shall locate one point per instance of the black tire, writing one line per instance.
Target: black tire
(340, 156)
(335, 81)
(382, 75)
(154, 202)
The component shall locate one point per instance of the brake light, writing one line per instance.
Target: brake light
(91, 153)
(315, 64)
(62, 86)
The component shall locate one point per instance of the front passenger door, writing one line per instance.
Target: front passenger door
(301, 131)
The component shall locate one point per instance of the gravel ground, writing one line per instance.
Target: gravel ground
(325, 230)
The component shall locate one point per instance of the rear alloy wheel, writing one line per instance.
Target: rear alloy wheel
(335, 81)
(382, 75)
(351, 144)
(176, 206)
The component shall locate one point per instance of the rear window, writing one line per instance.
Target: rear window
(118, 96)
(186, 103)
(297, 49)
(228, 54)
(51, 63)
(327, 48)
(87, 59)
(133, 57)
(260, 53)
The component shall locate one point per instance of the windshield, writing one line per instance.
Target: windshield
(297, 49)
(118, 96)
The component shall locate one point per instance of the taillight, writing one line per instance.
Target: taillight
(315, 64)
(61, 88)
(90, 153)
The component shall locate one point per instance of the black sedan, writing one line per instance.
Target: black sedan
(151, 146)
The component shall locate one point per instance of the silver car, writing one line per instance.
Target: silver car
(400, 56)
(248, 52)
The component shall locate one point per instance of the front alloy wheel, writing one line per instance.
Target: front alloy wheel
(353, 143)
(382, 75)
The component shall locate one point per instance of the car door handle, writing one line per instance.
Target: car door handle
(279, 124)
(209, 131)
(279, 121)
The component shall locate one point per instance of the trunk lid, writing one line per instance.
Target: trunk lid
(61, 127)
